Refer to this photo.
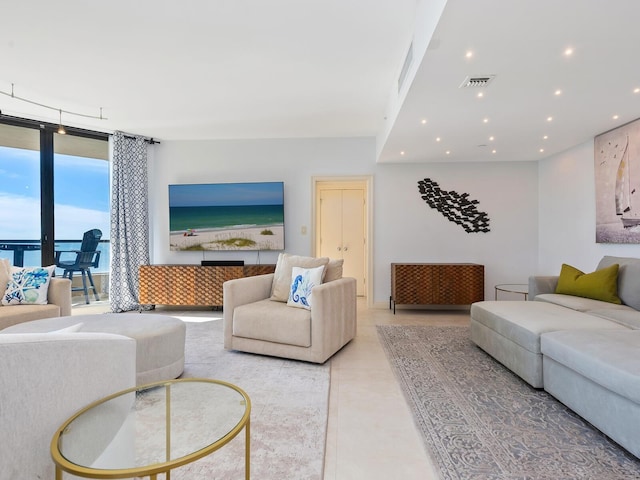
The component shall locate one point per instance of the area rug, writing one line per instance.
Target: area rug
(289, 411)
(479, 421)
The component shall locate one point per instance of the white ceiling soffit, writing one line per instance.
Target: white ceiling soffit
(541, 100)
(207, 69)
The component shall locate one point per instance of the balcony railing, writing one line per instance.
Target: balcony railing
(27, 252)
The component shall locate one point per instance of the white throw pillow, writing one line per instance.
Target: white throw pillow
(282, 277)
(302, 282)
(28, 285)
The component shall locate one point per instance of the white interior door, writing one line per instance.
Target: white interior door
(342, 230)
(353, 236)
(331, 223)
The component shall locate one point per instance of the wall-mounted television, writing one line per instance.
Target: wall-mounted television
(226, 216)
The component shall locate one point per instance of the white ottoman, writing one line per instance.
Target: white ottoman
(159, 339)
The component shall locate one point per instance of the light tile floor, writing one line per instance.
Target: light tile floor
(370, 434)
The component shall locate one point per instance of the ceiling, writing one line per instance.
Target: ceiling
(238, 69)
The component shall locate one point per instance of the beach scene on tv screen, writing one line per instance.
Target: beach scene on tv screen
(226, 216)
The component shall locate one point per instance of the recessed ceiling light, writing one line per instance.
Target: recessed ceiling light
(549, 119)
(480, 94)
(541, 150)
(636, 90)
(568, 52)
(437, 139)
(493, 151)
(615, 117)
(402, 152)
(545, 137)
(424, 120)
(469, 54)
(447, 152)
(485, 120)
(557, 92)
(491, 139)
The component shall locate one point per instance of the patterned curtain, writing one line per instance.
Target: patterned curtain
(129, 220)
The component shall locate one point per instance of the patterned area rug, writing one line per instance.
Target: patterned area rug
(289, 409)
(479, 421)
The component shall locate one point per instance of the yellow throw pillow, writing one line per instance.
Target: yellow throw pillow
(599, 285)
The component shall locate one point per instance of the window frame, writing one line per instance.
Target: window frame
(47, 131)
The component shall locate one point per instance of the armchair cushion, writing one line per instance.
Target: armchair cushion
(273, 322)
(333, 270)
(282, 274)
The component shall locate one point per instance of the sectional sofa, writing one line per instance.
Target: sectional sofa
(584, 352)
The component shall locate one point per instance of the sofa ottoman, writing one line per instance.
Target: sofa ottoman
(159, 339)
(510, 332)
(597, 375)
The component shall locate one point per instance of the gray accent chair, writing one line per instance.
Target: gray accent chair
(254, 323)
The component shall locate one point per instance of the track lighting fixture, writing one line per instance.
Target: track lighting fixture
(61, 129)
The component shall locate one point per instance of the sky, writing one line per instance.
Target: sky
(81, 190)
(226, 194)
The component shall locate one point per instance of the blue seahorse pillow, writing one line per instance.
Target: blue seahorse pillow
(28, 285)
(302, 281)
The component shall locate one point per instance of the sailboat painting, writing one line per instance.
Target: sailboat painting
(617, 172)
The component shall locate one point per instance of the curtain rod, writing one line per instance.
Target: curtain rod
(150, 141)
(131, 136)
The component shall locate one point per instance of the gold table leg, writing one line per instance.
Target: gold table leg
(247, 453)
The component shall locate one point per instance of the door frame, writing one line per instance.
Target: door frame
(366, 182)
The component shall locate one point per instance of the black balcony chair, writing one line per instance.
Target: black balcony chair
(88, 256)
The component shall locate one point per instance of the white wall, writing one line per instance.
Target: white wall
(292, 161)
(567, 210)
(408, 230)
(405, 228)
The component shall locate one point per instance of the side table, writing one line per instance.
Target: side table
(521, 288)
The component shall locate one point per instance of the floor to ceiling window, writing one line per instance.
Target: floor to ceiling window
(81, 192)
(53, 188)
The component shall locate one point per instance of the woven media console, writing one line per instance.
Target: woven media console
(191, 285)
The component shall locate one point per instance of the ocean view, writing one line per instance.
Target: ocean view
(182, 219)
(32, 257)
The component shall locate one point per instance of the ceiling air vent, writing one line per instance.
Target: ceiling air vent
(405, 67)
(478, 81)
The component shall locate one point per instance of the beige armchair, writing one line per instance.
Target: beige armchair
(58, 296)
(254, 323)
(46, 377)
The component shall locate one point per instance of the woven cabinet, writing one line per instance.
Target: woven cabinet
(190, 285)
(436, 284)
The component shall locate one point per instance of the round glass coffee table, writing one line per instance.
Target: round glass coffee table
(152, 429)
